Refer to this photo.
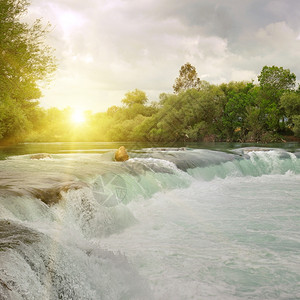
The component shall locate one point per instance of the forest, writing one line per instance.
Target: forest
(266, 111)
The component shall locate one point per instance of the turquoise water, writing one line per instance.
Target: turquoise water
(170, 223)
(101, 147)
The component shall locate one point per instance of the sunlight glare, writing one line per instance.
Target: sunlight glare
(78, 117)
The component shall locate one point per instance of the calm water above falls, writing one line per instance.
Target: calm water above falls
(167, 224)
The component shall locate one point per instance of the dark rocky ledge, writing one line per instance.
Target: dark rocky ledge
(48, 187)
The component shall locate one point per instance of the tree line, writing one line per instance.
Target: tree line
(195, 111)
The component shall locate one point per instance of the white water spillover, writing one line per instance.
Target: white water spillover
(166, 224)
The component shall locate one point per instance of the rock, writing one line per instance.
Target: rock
(40, 156)
(121, 154)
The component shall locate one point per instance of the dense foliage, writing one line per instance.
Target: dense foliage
(234, 111)
(25, 60)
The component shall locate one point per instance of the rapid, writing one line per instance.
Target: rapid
(169, 223)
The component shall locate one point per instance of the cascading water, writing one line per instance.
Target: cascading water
(166, 224)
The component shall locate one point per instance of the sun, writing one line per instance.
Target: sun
(78, 117)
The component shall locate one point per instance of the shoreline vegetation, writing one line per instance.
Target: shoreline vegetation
(196, 111)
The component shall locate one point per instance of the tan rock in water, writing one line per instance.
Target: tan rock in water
(121, 154)
(40, 156)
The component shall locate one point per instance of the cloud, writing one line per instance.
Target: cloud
(108, 47)
(274, 44)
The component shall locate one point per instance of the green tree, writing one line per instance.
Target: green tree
(238, 100)
(296, 127)
(190, 115)
(111, 111)
(274, 82)
(276, 79)
(188, 79)
(254, 124)
(25, 60)
(13, 121)
(290, 102)
(234, 87)
(135, 97)
(126, 130)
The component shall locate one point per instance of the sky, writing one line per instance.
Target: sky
(105, 48)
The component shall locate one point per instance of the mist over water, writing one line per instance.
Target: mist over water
(170, 223)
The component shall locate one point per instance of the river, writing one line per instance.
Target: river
(198, 221)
